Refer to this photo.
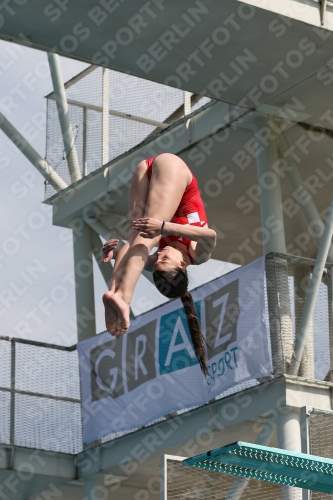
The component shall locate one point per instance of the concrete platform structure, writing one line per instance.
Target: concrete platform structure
(261, 150)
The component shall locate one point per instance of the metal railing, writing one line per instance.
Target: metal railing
(39, 389)
(287, 279)
(110, 113)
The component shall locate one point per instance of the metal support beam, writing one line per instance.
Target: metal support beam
(94, 487)
(99, 227)
(84, 283)
(187, 103)
(65, 124)
(308, 207)
(45, 463)
(31, 154)
(270, 191)
(126, 116)
(313, 290)
(301, 279)
(177, 114)
(239, 484)
(85, 139)
(322, 6)
(305, 443)
(273, 241)
(187, 111)
(289, 438)
(12, 392)
(105, 117)
(330, 321)
(279, 310)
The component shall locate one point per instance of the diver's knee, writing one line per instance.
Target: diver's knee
(141, 168)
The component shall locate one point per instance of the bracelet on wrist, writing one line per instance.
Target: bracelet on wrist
(162, 230)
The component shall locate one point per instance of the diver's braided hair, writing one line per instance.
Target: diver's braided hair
(173, 284)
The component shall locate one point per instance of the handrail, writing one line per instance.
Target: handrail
(39, 344)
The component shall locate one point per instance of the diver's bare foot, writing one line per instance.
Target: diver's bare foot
(123, 313)
(111, 315)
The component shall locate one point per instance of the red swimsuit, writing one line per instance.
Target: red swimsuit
(190, 211)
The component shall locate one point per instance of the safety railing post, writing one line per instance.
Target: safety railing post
(330, 317)
(12, 392)
(187, 103)
(64, 118)
(105, 117)
(302, 275)
(85, 135)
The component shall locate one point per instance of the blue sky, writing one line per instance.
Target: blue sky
(37, 299)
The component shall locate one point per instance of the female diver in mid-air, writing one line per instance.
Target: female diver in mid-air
(166, 210)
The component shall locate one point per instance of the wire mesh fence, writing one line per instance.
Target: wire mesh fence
(40, 396)
(136, 109)
(287, 281)
(320, 425)
(189, 483)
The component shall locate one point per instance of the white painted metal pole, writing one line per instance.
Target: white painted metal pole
(308, 207)
(63, 113)
(330, 319)
(270, 190)
(239, 484)
(305, 324)
(85, 139)
(12, 393)
(31, 154)
(289, 438)
(305, 442)
(99, 227)
(105, 117)
(187, 102)
(301, 279)
(84, 282)
(164, 474)
(187, 110)
(274, 241)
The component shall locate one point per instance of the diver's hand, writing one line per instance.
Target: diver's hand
(109, 250)
(150, 228)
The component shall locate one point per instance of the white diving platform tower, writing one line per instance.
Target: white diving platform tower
(259, 142)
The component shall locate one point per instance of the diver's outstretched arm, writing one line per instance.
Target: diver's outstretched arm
(109, 252)
(204, 237)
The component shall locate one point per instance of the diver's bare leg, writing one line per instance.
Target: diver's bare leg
(170, 177)
(138, 199)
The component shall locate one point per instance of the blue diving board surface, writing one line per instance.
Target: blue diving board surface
(274, 465)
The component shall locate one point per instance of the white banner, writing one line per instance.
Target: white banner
(153, 371)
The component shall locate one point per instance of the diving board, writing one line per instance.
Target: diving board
(274, 465)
